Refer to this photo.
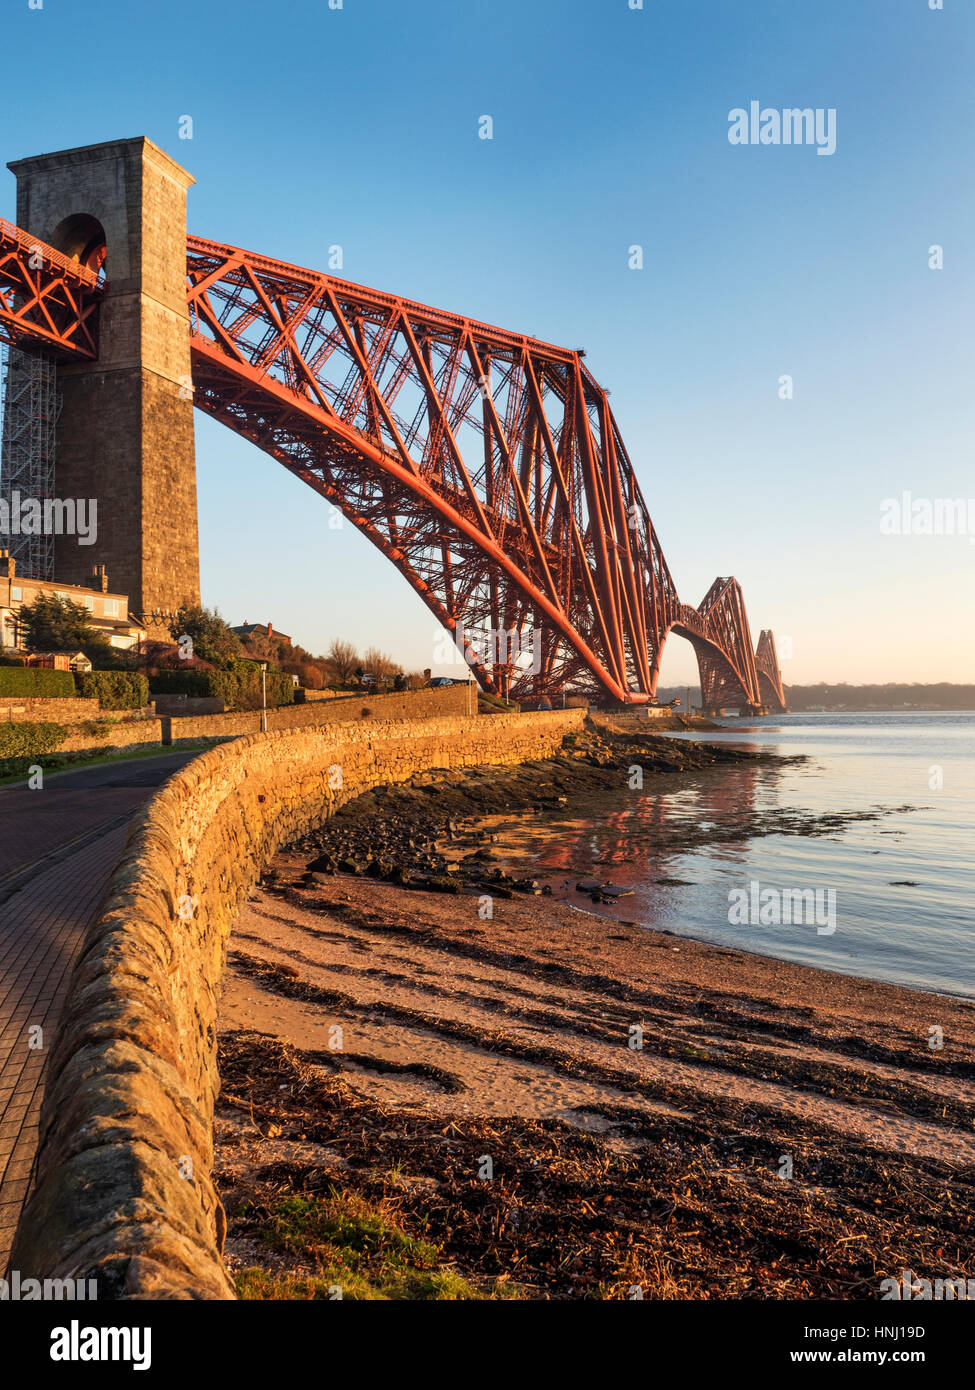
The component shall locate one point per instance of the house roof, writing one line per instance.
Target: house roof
(245, 630)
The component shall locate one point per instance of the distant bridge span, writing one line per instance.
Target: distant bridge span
(486, 465)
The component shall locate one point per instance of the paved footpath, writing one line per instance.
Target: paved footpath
(58, 849)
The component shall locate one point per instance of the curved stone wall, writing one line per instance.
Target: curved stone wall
(123, 1192)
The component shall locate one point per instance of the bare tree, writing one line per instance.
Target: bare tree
(343, 659)
(378, 664)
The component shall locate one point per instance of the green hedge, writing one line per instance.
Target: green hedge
(194, 683)
(21, 743)
(33, 682)
(239, 687)
(115, 689)
(11, 661)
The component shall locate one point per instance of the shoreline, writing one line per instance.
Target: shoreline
(956, 996)
(510, 1037)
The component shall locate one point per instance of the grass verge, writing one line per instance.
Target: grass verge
(348, 1248)
(63, 762)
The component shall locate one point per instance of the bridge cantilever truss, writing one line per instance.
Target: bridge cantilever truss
(486, 465)
(770, 684)
(47, 300)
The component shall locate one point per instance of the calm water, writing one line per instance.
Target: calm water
(921, 935)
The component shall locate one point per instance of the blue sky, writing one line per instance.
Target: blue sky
(358, 126)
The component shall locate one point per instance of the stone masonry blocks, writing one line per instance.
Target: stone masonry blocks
(132, 1075)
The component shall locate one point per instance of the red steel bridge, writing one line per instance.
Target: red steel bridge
(486, 465)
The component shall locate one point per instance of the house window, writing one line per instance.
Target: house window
(111, 608)
(89, 603)
(16, 595)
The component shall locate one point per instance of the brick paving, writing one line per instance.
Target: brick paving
(43, 921)
(34, 822)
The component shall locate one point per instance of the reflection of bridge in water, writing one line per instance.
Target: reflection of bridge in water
(484, 464)
(633, 839)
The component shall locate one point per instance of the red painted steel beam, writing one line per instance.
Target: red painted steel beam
(486, 465)
(47, 301)
(769, 673)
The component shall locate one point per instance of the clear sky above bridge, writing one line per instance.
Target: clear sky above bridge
(359, 127)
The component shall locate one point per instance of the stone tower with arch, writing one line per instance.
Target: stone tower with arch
(125, 432)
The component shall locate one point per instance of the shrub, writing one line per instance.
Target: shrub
(194, 683)
(21, 743)
(115, 689)
(11, 661)
(97, 728)
(32, 682)
(213, 638)
(55, 624)
(239, 687)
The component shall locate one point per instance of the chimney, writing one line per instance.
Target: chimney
(100, 578)
(8, 565)
(270, 631)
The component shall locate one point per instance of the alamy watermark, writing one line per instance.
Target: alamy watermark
(793, 125)
(490, 647)
(77, 1343)
(928, 516)
(756, 906)
(16, 1289)
(49, 516)
(911, 1287)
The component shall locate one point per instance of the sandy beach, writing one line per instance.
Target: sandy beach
(559, 1105)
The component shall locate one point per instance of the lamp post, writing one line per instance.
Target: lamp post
(263, 697)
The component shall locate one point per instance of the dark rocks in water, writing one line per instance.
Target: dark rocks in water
(398, 833)
(616, 890)
(675, 882)
(526, 885)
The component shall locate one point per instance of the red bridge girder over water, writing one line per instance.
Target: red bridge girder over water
(486, 465)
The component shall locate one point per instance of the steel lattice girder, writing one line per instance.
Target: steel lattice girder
(720, 635)
(769, 673)
(485, 465)
(46, 299)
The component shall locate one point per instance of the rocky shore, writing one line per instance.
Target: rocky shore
(430, 835)
(471, 1089)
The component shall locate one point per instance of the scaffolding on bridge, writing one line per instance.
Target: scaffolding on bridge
(30, 410)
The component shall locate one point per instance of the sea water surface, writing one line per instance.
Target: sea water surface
(904, 883)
